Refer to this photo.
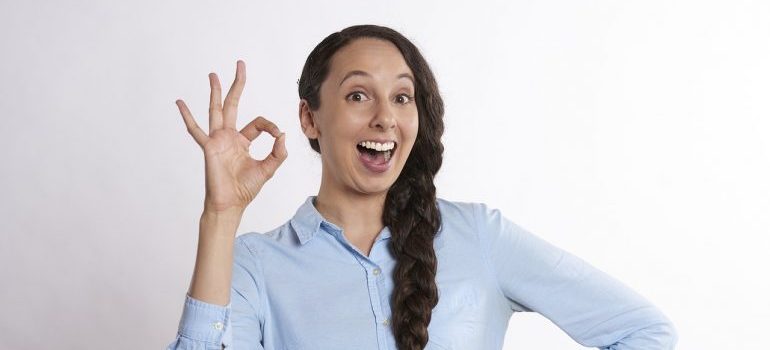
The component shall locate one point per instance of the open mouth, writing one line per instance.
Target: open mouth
(377, 161)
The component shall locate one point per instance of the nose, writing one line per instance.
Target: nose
(384, 117)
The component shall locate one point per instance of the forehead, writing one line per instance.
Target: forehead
(377, 57)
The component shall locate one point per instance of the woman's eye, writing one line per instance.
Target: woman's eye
(356, 96)
(403, 99)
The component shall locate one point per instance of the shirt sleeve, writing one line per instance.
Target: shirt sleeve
(593, 308)
(238, 325)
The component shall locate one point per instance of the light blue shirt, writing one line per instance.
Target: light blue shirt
(303, 285)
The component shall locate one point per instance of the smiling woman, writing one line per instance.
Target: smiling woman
(375, 67)
(376, 260)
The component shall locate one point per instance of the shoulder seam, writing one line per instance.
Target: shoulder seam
(487, 261)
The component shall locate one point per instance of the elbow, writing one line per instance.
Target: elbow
(664, 331)
(659, 334)
(647, 329)
(662, 335)
(670, 335)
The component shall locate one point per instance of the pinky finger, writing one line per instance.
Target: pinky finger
(192, 127)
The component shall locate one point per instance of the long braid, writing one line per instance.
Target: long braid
(413, 221)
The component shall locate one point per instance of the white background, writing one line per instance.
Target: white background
(631, 133)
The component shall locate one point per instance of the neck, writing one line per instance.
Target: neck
(359, 215)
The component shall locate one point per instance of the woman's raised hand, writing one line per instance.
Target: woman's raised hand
(233, 178)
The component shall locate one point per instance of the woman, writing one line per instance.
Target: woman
(375, 260)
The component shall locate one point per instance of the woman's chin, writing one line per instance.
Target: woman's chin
(373, 187)
(367, 184)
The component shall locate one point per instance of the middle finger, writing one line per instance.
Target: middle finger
(234, 95)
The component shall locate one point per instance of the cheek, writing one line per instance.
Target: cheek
(412, 125)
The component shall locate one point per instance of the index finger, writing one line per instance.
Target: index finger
(256, 126)
(192, 127)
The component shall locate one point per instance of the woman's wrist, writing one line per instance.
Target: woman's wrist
(229, 213)
(220, 222)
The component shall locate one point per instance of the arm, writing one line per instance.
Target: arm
(223, 294)
(593, 308)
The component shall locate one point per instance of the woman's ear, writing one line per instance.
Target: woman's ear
(306, 120)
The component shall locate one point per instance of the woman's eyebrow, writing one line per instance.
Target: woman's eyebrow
(406, 75)
(365, 74)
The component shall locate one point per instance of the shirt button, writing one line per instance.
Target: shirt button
(386, 322)
(376, 271)
(218, 326)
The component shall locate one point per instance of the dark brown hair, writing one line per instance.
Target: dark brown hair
(411, 211)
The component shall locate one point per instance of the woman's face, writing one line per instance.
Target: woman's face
(368, 95)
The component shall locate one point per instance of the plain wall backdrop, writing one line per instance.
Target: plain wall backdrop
(633, 134)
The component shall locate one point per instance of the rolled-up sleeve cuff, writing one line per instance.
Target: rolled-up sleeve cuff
(205, 322)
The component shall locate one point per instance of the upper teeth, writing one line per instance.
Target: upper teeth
(377, 146)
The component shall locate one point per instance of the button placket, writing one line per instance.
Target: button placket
(374, 274)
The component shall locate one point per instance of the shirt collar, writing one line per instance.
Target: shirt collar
(307, 221)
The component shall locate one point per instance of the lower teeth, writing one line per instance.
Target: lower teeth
(387, 156)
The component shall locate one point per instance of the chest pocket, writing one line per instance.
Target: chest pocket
(457, 318)
(457, 298)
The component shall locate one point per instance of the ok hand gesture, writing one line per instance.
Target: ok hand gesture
(233, 178)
